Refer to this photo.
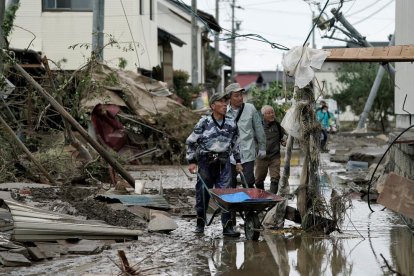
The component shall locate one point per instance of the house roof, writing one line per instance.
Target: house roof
(271, 76)
(246, 79)
(203, 16)
(166, 36)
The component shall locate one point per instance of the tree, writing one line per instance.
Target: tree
(268, 97)
(356, 80)
(212, 65)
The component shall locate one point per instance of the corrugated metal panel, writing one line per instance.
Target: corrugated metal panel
(152, 201)
(33, 224)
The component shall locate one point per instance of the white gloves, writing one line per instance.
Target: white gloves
(261, 154)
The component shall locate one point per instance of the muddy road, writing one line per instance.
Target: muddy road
(369, 243)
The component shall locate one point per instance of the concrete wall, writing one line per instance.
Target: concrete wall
(402, 156)
(54, 32)
(180, 26)
(404, 80)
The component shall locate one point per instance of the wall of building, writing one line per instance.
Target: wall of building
(55, 32)
(404, 26)
(180, 26)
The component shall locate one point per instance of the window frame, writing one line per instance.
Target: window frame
(45, 9)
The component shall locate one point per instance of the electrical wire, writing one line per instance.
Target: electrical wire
(130, 31)
(364, 8)
(234, 35)
(314, 24)
(374, 13)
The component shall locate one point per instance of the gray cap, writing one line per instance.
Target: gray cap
(216, 97)
(234, 87)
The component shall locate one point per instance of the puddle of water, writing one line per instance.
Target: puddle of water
(380, 238)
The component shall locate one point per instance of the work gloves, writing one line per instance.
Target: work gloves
(261, 154)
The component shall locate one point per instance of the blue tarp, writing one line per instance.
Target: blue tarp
(236, 197)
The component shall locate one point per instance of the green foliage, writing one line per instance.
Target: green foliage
(212, 64)
(122, 63)
(9, 17)
(356, 80)
(182, 88)
(268, 97)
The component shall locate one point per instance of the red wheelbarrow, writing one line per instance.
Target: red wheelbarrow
(249, 203)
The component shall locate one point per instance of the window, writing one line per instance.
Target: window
(141, 7)
(67, 5)
(151, 9)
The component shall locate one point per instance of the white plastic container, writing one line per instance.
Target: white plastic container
(139, 187)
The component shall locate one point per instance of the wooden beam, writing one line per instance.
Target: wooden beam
(26, 150)
(401, 53)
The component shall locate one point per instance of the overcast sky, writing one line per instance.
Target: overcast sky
(288, 22)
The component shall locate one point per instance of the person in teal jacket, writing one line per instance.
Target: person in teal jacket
(252, 136)
(322, 115)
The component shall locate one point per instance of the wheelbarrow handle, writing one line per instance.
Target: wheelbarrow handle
(244, 182)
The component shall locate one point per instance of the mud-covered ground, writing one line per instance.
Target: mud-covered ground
(369, 243)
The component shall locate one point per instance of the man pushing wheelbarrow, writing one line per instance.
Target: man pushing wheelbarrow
(213, 140)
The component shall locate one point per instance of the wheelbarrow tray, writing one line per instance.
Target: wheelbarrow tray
(258, 199)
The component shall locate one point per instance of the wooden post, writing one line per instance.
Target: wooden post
(100, 149)
(26, 150)
(284, 181)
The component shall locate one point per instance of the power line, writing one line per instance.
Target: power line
(364, 8)
(374, 13)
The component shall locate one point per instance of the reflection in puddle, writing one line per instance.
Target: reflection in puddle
(380, 239)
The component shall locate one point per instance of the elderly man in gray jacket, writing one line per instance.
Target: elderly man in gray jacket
(252, 136)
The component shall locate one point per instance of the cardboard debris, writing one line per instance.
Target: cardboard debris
(398, 195)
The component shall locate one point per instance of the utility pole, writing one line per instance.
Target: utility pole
(2, 42)
(373, 92)
(217, 47)
(313, 32)
(97, 29)
(233, 42)
(194, 44)
(388, 67)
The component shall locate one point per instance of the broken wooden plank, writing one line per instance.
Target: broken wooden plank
(399, 53)
(398, 195)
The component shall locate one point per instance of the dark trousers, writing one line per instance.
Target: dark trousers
(324, 138)
(248, 172)
(213, 174)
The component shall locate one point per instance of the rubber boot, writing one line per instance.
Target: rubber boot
(230, 232)
(200, 226)
(274, 186)
(260, 185)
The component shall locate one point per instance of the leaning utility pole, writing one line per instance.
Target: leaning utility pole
(217, 47)
(388, 67)
(2, 42)
(233, 42)
(97, 29)
(194, 44)
(373, 92)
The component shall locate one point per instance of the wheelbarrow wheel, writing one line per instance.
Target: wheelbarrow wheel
(251, 224)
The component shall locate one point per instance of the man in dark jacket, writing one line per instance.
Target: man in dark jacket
(274, 137)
